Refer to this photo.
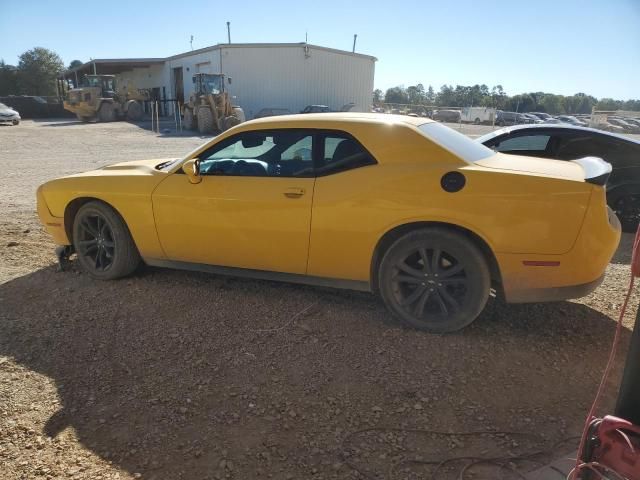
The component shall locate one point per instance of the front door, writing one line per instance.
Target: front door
(252, 208)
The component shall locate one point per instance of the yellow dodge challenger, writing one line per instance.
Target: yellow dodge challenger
(401, 206)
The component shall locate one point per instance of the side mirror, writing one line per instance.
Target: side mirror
(192, 169)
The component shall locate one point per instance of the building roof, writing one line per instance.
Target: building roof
(269, 45)
(106, 66)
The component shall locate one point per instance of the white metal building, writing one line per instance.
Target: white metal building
(276, 75)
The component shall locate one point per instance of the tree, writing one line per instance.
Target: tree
(396, 95)
(446, 96)
(377, 96)
(8, 79)
(430, 96)
(38, 69)
(74, 64)
(415, 94)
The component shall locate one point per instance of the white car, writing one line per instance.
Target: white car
(9, 115)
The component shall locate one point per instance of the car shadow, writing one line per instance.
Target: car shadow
(623, 253)
(185, 375)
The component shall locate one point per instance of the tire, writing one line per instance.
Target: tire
(477, 121)
(189, 119)
(103, 243)
(434, 280)
(627, 208)
(106, 113)
(134, 111)
(230, 122)
(15, 122)
(205, 120)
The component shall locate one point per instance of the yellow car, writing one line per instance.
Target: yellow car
(401, 206)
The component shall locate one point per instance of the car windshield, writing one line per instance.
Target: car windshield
(455, 142)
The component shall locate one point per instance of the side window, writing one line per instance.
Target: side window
(340, 153)
(572, 147)
(536, 143)
(277, 153)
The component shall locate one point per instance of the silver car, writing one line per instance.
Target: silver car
(9, 115)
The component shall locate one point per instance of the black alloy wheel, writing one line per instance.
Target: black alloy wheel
(435, 280)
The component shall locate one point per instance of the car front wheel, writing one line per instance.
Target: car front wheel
(103, 243)
(434, 279)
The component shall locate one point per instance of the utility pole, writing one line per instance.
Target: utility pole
(191, 42)
(229, 32)
(355, 37)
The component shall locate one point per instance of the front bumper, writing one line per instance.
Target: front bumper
(53, 225)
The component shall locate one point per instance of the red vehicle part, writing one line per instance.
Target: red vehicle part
(613, 446)
(610, 446)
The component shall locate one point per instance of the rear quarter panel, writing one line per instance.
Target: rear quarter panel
(511, 211)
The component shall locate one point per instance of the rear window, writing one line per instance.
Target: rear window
(455, 142)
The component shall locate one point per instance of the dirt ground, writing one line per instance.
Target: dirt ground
(177, 375)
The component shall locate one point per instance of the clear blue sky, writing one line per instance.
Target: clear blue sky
(558, 46)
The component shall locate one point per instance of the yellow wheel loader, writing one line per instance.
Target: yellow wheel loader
(98, 101)
(209, 108)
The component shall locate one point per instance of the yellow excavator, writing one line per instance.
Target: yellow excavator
(99, 101)
(209, 108)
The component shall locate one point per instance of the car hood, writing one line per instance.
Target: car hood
(134, 168)
(8, 111)
(535, 166)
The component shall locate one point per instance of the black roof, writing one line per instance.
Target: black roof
(551, 126)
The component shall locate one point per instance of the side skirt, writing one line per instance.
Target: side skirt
(262, 274)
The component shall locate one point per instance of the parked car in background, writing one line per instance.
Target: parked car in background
(565, 142)
(451, 116)
(29, 106)
(9, 115)
(404, 207)
(315, 109)
(325, 109)
(626, 126)
(545, 117)
(532, 118)
(571, 120)
(510, 118)
(272, 112)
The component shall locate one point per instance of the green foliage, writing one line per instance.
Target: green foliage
(8, 79)
(38, 69)
(396, 95)
(74, 64)
(480, 95)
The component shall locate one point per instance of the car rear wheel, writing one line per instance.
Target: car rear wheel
(103, 243)
(435, 280)
(627, 208)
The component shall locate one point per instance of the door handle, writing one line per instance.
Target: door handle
(294, 192)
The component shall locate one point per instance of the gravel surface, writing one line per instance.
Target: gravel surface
(177, 375)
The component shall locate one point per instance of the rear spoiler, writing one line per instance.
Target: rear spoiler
(596, 170)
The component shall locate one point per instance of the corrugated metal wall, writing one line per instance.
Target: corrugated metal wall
(290, 76)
